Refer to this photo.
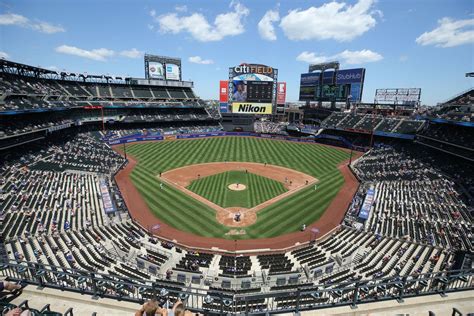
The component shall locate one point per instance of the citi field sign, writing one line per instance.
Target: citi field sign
(253, 69)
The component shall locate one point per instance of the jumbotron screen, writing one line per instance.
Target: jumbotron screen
(339, 86)
(259, 91)
(252, 88)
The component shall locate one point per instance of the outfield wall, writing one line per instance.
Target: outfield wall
(142, 138)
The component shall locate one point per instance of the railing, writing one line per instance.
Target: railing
(295, 299)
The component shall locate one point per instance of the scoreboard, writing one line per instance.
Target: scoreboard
(259, 91)
(252, 89)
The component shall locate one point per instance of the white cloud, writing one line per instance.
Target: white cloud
(181, 8)
(359, 57)
(199, 60)
(403, 58)
(333, 20)
(312, 58)
(4, 55)
(347, 57)
(449, 33)
(100, 54)
(45, 27)
(265, 26)
(22, 21)
(131, 53)
(196, 24)
(153, 13)
(13, 19)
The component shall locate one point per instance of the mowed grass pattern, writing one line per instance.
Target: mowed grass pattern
(258, 189)
(179, 210)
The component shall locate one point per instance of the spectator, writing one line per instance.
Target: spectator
(150, 308)
(179, 310)
(9, 286)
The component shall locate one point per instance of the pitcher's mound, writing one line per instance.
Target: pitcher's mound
(237, 187)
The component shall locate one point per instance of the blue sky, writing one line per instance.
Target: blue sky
(402, 44)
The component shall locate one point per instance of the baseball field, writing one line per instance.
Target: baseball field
(257, 189)
(177, 209)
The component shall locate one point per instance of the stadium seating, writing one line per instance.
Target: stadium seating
(452, 134)
(413, 201)
(369, 122)
(64, 222)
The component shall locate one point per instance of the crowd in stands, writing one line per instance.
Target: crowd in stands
(11, 128)
(452, 134)
(371, 122)
(413, 200)
(24, 92)
(268, 127)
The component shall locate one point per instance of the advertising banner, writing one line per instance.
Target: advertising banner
(106, 199)
(253, 69)
(223, 97)
(310, 79)
(328, 77)
(355, 93)
(350, 76)
(367, 205)
(251, 108)
(172, 72)
(155, 70)
(281, 93)
(402, 96)
(223, 107)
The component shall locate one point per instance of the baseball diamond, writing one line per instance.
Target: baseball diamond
(256, 188)
(179, 210)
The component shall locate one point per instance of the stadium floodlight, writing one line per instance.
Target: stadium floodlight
(323, 66)
(469, 74)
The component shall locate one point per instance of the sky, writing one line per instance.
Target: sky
(427, 44)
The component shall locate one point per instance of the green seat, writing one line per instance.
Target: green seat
(21, 269)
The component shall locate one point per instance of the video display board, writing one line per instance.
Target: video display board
(156, 71)
(399, 96)
(252, 88)
(172, 72)
(338, 86)
(162, 67)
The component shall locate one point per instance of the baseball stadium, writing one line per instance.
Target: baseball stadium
(133, 195)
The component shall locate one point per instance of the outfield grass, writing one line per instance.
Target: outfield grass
(258, 189)
(179, 210)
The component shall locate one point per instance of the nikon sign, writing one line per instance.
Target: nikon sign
(251, 108)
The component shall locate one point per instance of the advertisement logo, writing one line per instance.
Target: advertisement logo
(251, 108)
(281, 93)
(349, 76)
(223, 97)
(253, 69)
(155, 70)
(309, 79)
(172, 72)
